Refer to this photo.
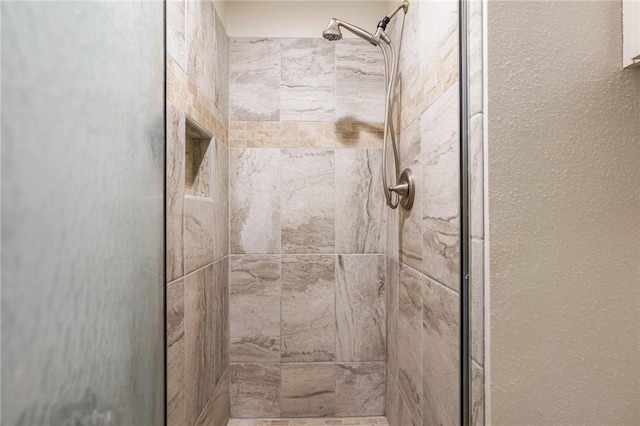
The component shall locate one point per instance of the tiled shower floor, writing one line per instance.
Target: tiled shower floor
(327, 421)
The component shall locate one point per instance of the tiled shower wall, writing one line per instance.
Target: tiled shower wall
(307, 233)
(197, 221)
(423, 262)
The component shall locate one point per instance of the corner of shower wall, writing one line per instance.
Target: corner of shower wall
(423, 254)
(197, 214)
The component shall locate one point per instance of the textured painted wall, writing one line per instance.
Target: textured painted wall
(197, 215)
(564, 194)
(299, 18)
(82, 213)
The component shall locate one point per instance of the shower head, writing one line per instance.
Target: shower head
(333, 33)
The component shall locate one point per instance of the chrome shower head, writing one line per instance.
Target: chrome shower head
(332, 32)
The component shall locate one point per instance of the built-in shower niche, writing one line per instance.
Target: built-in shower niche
(197, 174)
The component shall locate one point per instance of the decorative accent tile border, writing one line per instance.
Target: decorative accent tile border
(437, 78)
(183, 92)
(292, 134)
(333, 421)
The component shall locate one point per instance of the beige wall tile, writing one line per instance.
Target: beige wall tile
(255, 308)
(410, 222)
(477, 301)
(221, 200)
(477, 395)
(199, 231)
(221, 317)
(255, 79)
(360, 388)
(308, 308)
(410, 353)
(255, 200)
(360, 225)
(200, 44)
(308, 390)
(255, 390)
(176, 31)
(307, 200)
(175, 354)
(441, 349)
(392, 282)
(199, 341)
(476, 175)
(360, 310)
(175, 192)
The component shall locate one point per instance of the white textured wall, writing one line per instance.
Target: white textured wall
(299, 18)
(564, 193)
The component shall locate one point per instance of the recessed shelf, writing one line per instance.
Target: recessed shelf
(197, 173)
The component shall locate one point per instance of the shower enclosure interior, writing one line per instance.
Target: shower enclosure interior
(293, 290)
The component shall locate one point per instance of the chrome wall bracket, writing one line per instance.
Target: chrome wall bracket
(406, 189)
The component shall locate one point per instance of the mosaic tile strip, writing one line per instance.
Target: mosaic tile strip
(276, 134)
(437, 78)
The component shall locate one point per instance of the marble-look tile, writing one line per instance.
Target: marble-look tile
(441, 348)
(475, 57)
(221, 402)
(199, 341)
(221, 317)
(392, 401)
(397, 413)
(175, 31)
(477, 395)
(410, 365)
(360, 313)
(221, 68)
(255, 308)
(477, 301)
(308, 308)
(255, 200)
(323, 421)
(175, 354)
(441, 250)
(199, 231)
(254, 81)
(438, 20)
(307, 200)
(360, 389)
(392, 278)
(217, 410)
(410, 222)
(175, 192)
(308, 390)
(360, 226)
(410, 46)
(201, 44)
(308, 80)
(221, 200)
(255, 390)
(440, 182)
(392, 216)
(360, 86)
(476, 176)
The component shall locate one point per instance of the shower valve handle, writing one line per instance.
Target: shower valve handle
(405, 189)
(401, 189)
